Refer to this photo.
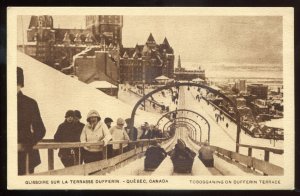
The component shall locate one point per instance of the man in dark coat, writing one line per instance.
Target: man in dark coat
(66, 132)
(147, 133)
(154, 155)
(31, 128)
(132, 133)
(182, 157)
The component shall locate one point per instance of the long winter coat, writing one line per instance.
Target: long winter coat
(68, 132)
(31, 130)
(147, 134)
(99, 133)
(118, 134)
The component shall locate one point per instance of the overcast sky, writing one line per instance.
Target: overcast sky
(232, 39)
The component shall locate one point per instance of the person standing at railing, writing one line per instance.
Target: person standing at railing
(146, 131)
(108, 122)
(132, 133)
(118, 133)
(31, 128)
(94, 131)
(68, 132)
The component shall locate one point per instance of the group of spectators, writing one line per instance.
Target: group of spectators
(95, 130)
(150, 131)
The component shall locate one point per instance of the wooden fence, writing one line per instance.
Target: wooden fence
(137, 147)
(251, 162)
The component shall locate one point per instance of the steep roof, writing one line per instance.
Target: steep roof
(150, 39)
(165, 42)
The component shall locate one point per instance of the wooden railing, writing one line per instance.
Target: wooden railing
(136, 147)
(251, 162)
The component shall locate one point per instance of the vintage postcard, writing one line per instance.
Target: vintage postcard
(150, 98)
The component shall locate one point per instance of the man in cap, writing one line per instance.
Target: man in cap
(147, 134)
(31, 128)
(118, 133)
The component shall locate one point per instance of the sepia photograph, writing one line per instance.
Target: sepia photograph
(150, 98)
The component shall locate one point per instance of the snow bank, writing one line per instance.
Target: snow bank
(56, 93)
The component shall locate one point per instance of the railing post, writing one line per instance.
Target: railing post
(26, 163)
(267, 155)
(121, 148)
(250, 152)
(79, 156)
(50, 159)
(104, 152)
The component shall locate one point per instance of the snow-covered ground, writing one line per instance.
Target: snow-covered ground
(56, 93)
(225, 137)
(131, 98)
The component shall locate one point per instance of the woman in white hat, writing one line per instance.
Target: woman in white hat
(118, 133)
(94, 131)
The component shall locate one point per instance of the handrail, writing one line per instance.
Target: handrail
(51, 144)
(264, 166)
(273, 150)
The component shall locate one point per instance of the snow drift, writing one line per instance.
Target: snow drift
(56, 93)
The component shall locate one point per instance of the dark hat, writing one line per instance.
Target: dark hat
(20, 77)
(108, 120)
(128, 120)
(69, 113)
(77, 114)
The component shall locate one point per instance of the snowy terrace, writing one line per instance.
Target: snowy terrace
(56, 93)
